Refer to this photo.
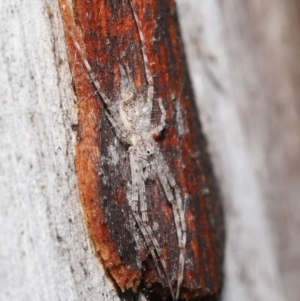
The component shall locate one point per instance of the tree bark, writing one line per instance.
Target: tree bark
(109, 41)
(45, 251)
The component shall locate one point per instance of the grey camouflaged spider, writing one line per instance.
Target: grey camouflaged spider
(131, 121)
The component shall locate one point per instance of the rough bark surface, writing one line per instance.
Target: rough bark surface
(108, 35)
(243, 57)
(45, 252)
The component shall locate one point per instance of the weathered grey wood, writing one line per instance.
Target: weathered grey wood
(45, 252)
(243, 57)
(245, 67)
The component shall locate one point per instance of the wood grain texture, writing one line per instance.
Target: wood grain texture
(45, 251)
(250, 50)
(108, 35)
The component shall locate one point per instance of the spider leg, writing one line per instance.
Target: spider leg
(179, 217)
(130, 79)
(145, 220)
(139, 196)
(110, 113)
(168, 183)
(162, 165)
(145, 57)
(166, 187)
(121, 132)
(162, 124)
(127, 85)
(143, 201)
(105, 99)
(136, 181)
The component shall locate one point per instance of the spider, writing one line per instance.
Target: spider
(131, 122)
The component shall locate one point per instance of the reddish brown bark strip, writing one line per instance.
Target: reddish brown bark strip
(107, 33)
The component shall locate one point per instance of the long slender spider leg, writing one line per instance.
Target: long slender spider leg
(121, 133)
(109, 112)
(127, 85)
(145, 57)
(180, 225)
(127, 95)
(143, 201)
(162, 124)
(130, 79)
(135, 211)
(165, 168)
(105, 99)
(166, 187)
(176, 203)
(179, 217)
(145, 220)
(168, 183)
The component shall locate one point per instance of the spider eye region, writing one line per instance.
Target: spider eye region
(149, 153)
(147, 150)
